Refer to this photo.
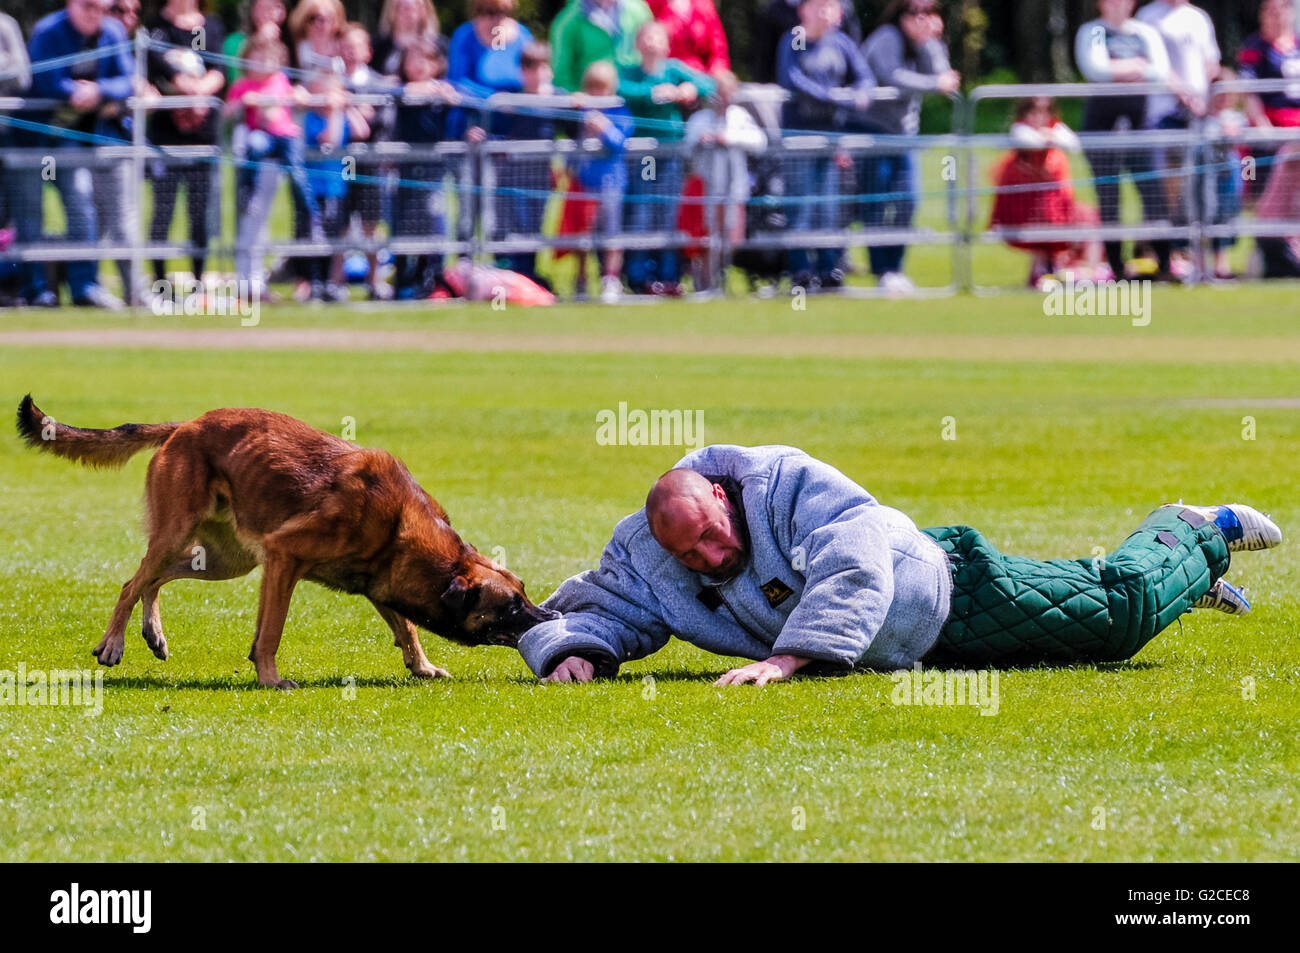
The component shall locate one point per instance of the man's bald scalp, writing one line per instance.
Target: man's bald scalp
(679, 484)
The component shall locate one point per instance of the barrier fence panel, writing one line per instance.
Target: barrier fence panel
(1177, 188)
(784, 210)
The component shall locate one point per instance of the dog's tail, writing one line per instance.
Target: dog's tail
(94, 448)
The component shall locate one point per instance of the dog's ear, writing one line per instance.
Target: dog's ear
(460, 596)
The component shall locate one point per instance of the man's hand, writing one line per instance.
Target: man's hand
(572, 669)
(775, 669)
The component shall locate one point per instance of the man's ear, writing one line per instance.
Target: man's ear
(459, 595)
(719, 493)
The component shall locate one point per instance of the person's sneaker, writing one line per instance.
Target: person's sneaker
(897, 284)
(43, 299)
(1225, 597)
(96, 297)
(833, 279)
(611, 290)
(335, 293)
(1245, 528)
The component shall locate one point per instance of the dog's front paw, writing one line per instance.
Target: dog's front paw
(429, 671)
(109, 651)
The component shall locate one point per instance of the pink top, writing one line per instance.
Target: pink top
(1281, 198)
(277, 120)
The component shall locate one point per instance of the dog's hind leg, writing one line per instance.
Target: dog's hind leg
(177, 496)
(211, 556)
(407, 638)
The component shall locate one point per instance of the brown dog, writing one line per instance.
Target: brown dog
(236, 488)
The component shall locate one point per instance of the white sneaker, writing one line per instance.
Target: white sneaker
(1225, 597)
(611, 290)
(1254, 531)
(897, 284)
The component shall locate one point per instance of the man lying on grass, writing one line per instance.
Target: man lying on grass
(769, 554)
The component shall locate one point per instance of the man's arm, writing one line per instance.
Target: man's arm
(610, 616)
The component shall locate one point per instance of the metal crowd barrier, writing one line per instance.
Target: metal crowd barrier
(801, 195)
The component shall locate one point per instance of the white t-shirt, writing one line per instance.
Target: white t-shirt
(1189, 39)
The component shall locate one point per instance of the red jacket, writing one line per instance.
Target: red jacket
(694, 33)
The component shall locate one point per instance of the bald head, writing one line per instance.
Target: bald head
(691, 517)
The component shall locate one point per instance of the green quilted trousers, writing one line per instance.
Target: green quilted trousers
(1016, 610)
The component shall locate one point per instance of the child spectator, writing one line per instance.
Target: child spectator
(328, 129)
(422, 121)
(721, 138)
(601, 179)
(365, 196)
(274, 142)
(1034, 187)
(656, 92)
(523, 181)
(1226, 121)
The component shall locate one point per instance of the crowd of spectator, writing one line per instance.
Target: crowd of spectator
(289, 80)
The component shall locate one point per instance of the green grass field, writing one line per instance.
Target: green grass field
(1068, 431)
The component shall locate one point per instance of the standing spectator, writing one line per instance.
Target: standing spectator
(1280, 202)
(20, 190)
(402, 22)
(423, 119)
(656, 92)
(1115, 48)
(116, 211)
(1272, 53)
(812, 63)
(1034, 187)
(177, 69)
(1225, 122)
(314, 27)
(523, 181)
(780, 17)
(259, 17)
(695, 34)
(907, 52)
(485, 52)
(720, 138)
(94, 90)
(365, 196)
(586, 31)
(328, 129)
(1194, 59)
(265, 96)
(602, 175)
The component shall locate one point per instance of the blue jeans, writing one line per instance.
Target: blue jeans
(77, 189)
(652, 207)
(817, 183)
(894, 175)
